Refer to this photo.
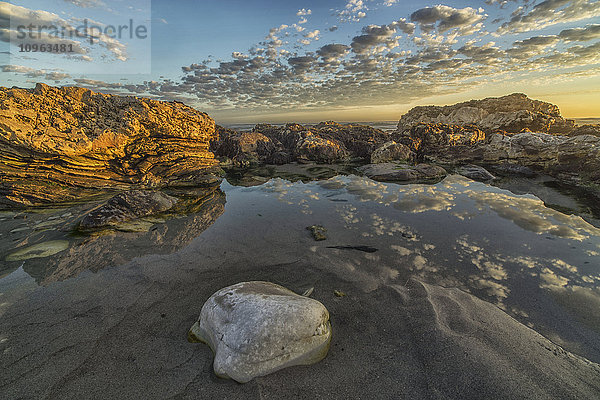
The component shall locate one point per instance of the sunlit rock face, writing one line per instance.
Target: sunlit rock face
(256, 328)
(391, 151)
(59, 144)
(451, 140)
(513, 113)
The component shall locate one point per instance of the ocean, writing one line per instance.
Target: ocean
(389, 125)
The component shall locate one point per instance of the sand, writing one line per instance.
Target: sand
(121, 333)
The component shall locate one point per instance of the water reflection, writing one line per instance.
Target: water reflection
(508, 249)
(538, 264)
(48, 247)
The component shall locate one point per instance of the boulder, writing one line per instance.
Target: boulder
(127, 206)
(398, 172)
(244, 149)
(256, 328)
(61, 144)
(318, 149)
(475, 172)
(391, 151)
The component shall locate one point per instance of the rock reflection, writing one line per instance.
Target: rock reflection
(48, 262)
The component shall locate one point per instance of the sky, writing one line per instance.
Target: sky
(247, 61)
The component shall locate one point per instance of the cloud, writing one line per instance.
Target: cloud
(86, 3)
(35, 73)
(551, 12)
(354, 11)
(375, 38)
(441, 51)
(49, 28)
(466, 20)
(590, 32)
(304, 12)
(333, 52)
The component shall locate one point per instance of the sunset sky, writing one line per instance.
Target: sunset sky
(306, 61)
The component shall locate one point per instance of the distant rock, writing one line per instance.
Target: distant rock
(475, 172)
(257, 328)
(62, 144)
(127, 206)
(398, 172)
(327, 142)
(391, 151)
(512, 114)
(586, 130)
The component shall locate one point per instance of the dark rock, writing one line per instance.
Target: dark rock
(586, 130)
(327, 142)
(427, 139)
(318, 149)
(397, 172)
(127, 206)
(318, 232)
(475, 172)
(365, 249)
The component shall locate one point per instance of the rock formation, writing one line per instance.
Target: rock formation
(327, 142)
(256, 328)
(59, 144)
(513, 114)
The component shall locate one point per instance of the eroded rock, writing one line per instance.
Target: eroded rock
(256, 328)
(62, 144)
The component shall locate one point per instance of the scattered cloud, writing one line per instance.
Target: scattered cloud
(465, 20)
(550, 12)
(354, 11)
(54, 30)
(55, 76)
(86, 3)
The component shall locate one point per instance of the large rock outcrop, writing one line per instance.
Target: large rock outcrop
(60, 144)
(513, 114)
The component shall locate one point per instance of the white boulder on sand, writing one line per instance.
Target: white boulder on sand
(256, 328)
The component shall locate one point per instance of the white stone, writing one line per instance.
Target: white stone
(256, 328)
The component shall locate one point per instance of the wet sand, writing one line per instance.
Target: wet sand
(121, 332)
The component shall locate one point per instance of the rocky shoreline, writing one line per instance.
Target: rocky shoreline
(512, 135)
(70, 144)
